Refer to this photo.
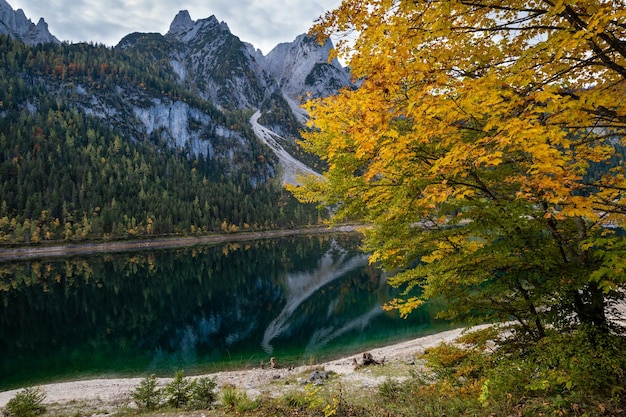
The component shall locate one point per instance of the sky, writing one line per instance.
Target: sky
(263, 23)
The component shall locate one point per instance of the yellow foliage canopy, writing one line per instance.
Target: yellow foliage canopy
(478, 121)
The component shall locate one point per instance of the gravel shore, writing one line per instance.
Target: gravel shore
(254, 381)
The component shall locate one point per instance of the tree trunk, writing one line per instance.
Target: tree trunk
(590, 307)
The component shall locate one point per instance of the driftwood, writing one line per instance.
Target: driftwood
(272, 364)
(368, 359)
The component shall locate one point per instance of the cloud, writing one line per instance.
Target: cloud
(263, 23)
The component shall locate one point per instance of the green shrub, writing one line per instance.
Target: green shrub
(456, 364)
(178, 391)
(202, 393)
(147, 395)
(565, 367)
(295, 399)
(26, 403)
(245, 403)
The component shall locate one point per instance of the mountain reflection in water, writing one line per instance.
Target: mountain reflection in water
(198, 309)
(300, 286)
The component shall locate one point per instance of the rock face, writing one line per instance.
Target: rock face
(182, 23)
(217, 64)
(302, 70)
(16, 25)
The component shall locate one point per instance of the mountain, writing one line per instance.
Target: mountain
(220, 68)
(16, 25)
(188, 132)
(302, 69)
(209, 61)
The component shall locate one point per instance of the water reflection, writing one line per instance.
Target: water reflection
(300, 286)
(191, 308)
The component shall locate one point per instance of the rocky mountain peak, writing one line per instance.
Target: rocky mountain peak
(181, 23)
(186, 29)
(302, 68)
(16, 25)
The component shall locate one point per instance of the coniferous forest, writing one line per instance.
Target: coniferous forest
(66, 175)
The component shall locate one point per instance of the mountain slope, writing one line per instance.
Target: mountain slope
(91, 149)
(218, 66)
(161, 134)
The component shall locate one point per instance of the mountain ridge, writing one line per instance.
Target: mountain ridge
(14, 23)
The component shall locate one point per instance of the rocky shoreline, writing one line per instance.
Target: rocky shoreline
(45, 251)
(116, 391)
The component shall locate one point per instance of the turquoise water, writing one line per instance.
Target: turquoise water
(198, 309)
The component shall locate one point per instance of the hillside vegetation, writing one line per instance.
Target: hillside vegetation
(66, 175)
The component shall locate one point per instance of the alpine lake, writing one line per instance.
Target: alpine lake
(199, 309)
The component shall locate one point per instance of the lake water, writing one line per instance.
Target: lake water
(199, 309)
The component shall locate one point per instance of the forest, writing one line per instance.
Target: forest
(66, 175)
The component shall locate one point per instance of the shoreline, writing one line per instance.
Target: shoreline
(33, 252)
(115, 391)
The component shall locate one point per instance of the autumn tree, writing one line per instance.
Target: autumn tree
(484, 148)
